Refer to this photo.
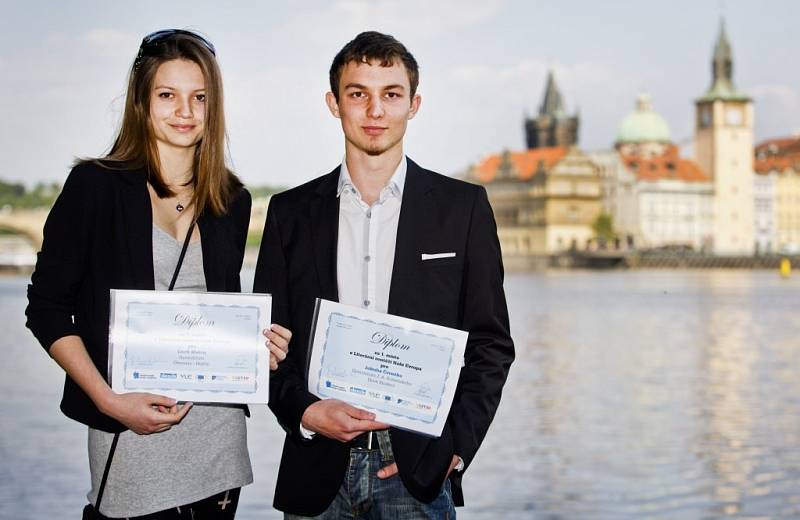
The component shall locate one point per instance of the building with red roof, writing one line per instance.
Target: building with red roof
(656, 197)
(777, 194)
(545, 200)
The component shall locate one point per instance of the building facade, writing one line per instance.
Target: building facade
(676, 213)
(765, 214)
(777, 188)
(620, 195)
(566, 201)
(545, 200)
(724, 149)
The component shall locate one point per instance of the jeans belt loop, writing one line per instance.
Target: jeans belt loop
(385, 445)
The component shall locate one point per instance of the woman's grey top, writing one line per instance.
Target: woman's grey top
(203, 455)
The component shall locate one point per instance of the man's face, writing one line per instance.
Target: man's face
(374, 105)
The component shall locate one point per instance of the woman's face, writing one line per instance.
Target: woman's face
(177, 104)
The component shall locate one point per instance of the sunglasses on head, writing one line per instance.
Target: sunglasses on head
(152, 40)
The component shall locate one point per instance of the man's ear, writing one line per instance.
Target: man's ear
(416, 101)
(333, 105)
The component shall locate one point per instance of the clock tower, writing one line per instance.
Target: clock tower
(723, 145)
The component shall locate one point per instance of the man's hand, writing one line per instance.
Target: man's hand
(338, 420)
(388, 471)
(391, 469)
(453, 464)
(146, 413)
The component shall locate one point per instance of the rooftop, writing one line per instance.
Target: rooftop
(520, 165)
(777, 154)
(667, 166)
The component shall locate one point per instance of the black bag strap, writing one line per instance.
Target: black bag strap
(116, 435)
(180, 258)
(105, 472)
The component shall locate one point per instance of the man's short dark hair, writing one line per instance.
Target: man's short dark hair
(374, 46)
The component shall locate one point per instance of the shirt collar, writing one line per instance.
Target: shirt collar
(396, 182)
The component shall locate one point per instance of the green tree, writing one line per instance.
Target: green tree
(603, 227)
(17, 196)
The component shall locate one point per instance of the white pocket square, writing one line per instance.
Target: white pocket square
(434, 256)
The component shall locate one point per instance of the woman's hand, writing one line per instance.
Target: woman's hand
(142, 413)
(278, 343)
(145, 413)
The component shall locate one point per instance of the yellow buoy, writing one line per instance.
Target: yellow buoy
(785, 268)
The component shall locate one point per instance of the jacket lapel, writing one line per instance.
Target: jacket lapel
(212, 263)
(137, 228)
(324, 215)
(415, 213)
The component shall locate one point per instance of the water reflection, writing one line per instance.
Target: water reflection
(729, 440)
(648, 395)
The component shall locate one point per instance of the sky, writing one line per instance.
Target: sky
(483, 65)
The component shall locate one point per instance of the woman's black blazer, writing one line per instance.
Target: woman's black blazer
(97, 237)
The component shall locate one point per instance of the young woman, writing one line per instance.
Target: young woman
(120, 222)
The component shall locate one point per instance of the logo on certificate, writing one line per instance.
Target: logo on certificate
(333, 386)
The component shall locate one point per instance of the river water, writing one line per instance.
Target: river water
(635, 394)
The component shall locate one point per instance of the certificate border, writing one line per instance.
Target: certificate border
(201, 391)
(451, 346)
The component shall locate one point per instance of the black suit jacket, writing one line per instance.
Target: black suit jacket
(297, 264)
(99, 236)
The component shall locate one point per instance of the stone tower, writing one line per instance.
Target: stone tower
(552, 127)
(724, 148)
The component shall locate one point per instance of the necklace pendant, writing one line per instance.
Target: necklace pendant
(179, 207)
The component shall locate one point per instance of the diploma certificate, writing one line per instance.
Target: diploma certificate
(201, 347)
(404, 371)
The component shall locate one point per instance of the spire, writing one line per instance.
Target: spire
(722, 64)
(552, 103)
(552, 127)
(722, 71)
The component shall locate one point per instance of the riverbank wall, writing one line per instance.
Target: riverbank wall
(644, 260)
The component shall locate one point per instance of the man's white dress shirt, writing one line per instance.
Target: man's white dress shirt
(367, 236)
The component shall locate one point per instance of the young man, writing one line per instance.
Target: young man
(382, 233)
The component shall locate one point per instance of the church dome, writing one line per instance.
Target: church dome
(643, 125)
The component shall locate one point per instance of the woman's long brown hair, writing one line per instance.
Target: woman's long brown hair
(135, 145)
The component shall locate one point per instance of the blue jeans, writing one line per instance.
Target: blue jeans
(363, 496)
